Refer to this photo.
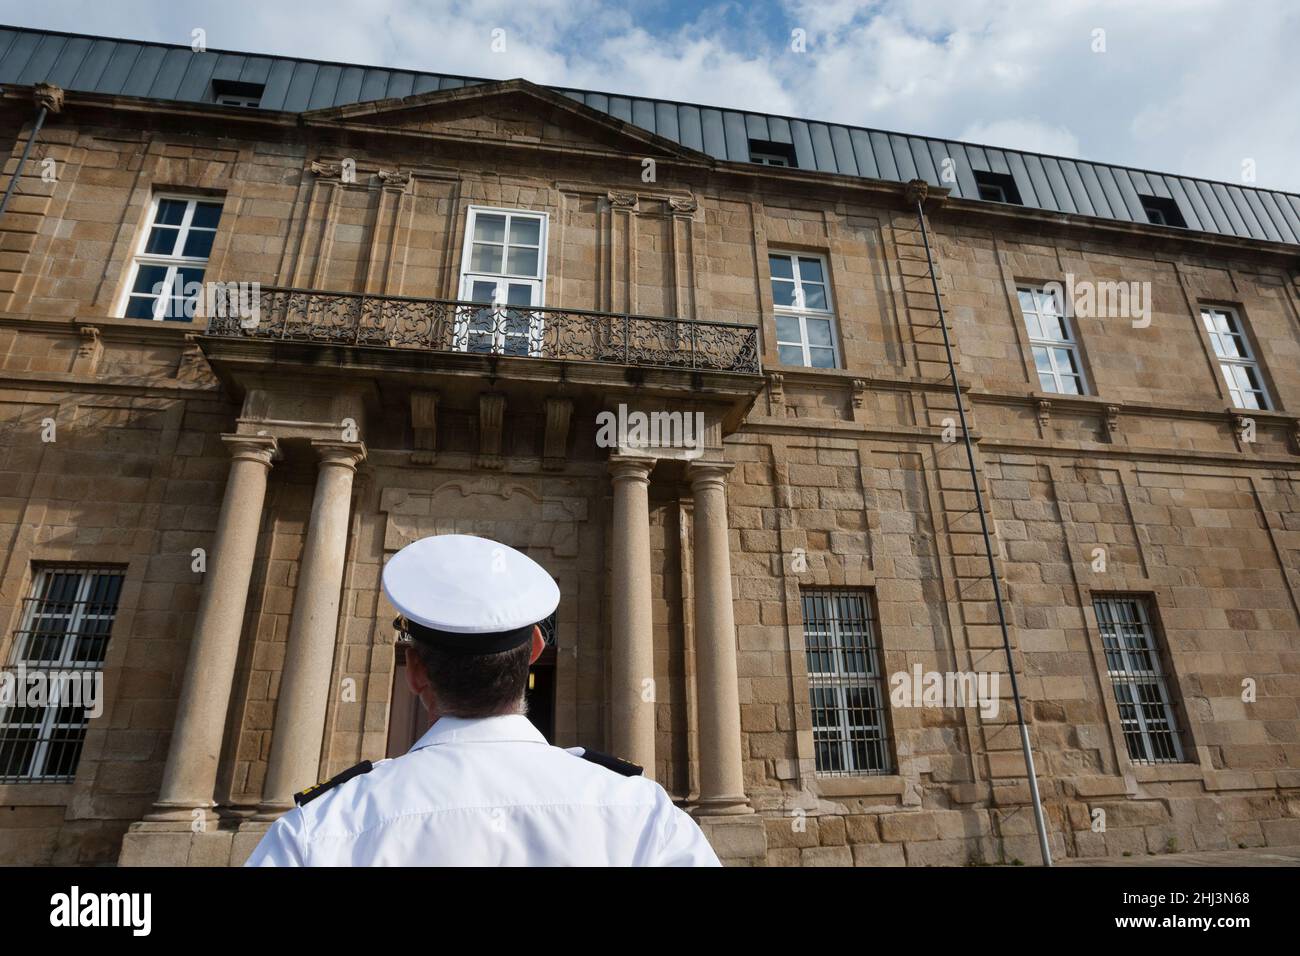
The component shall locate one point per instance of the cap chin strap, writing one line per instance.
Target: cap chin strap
(467, 644)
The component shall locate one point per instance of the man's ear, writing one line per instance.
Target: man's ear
(539, 645)
(417, 678)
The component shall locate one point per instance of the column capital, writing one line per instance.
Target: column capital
(262, 449)
(631, 467)
(709, 472)
(346, 454)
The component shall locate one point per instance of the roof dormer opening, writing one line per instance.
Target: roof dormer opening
(997, 187)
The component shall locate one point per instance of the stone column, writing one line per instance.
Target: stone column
(309, 659)
(632, 670)
(190, 775)
(722, 778)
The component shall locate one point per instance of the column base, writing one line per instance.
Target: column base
(721, 806)
(150, 843)
(185, 813)
(270, 812)
(738, 840)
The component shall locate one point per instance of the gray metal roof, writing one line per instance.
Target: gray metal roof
(163, 71)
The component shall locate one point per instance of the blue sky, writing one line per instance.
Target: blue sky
(1201, 87)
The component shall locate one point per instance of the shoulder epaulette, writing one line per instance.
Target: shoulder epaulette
(617, 764)
(311, 793)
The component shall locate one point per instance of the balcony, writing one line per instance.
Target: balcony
(452, 328)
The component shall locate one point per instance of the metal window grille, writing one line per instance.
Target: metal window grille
(1236, 362)
(1051, 340)
(66, 623)
(1133, 660)
(850, 735)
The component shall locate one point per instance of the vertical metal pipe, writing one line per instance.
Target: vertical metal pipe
(988, 541)
(22, 162)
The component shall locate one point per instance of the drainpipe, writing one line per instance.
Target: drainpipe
(916, 192)
(49, 99)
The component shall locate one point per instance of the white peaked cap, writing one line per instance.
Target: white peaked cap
(464, 584)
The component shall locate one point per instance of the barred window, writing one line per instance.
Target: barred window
(57, 655)
(1146, 710)
(848, 714)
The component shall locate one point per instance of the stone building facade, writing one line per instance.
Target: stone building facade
(237, 486)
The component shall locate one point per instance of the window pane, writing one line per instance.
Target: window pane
(485, 258)
(1026, 300)
(1065, 360)
(791, 355)
(198, 244)
(162, 241)
(787, 329)
(810, 270)
(1046, 382)
(1041, 360)
(206, 215)
(814, 296)
(149, 280)
(522, 261)
(819, 332)
(519, 293)
(171, 211)
(782, 292)
(822, 358)
(525, 230)
(140, 307)
(781, 267)
(489, 227)
(480, 291)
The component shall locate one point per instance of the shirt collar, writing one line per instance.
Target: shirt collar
(480, 730)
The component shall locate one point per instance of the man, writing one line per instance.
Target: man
(482, 787)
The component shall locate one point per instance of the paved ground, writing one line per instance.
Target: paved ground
(1256, 856)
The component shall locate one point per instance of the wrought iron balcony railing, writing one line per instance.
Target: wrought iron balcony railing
(438, 325)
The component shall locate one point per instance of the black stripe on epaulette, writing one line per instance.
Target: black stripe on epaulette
(311, 793)
(617, 764)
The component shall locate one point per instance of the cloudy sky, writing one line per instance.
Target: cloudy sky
(1202, 87)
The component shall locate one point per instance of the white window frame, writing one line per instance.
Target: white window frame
(769, 159)
(803, 314)
(1227, 363)
(468, 277)
(76, 617)
(236, 99)
(1070, 344)
(1131, 676)
(171, 262)
(841, 679)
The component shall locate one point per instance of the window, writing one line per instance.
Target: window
(1056, 354)
(1162, 212)
(1133, 660)
(1240, 370)
(504, 267)
(805, 320)
(167, 272)
(767, 153)
(844, 678)
(997, 187)
(232, 93)
(64, 635)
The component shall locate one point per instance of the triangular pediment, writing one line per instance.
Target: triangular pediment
(508, 111)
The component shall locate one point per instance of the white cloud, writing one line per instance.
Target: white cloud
(1030, 135)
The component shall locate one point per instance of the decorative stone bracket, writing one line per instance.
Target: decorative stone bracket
(424, 425)
(559, 413)
(491, 415)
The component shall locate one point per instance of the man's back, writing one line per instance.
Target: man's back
(487, 792)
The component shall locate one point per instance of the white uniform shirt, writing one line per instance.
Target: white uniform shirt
(487, 792)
